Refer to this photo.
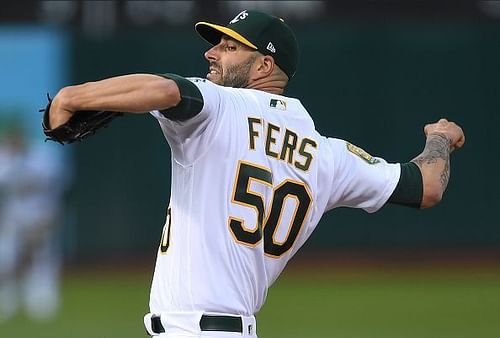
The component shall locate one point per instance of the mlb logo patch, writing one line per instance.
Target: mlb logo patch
(278, 104)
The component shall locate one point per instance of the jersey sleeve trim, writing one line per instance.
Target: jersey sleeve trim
(191, 99)
(409, 191)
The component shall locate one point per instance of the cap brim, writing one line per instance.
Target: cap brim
(212, 33)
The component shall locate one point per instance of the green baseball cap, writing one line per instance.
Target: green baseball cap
(268, 34)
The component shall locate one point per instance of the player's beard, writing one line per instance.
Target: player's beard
(238, 76)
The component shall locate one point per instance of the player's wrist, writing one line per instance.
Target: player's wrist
(63, 101)
(441, 137)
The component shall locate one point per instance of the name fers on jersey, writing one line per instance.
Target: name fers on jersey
(284, 145)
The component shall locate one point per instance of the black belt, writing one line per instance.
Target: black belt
(207, 323)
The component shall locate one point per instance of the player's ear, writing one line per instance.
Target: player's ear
(264, 66)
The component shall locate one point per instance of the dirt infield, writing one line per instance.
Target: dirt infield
(400, 259)
(444, 260)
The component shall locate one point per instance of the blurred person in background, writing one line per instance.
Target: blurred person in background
(31, 210)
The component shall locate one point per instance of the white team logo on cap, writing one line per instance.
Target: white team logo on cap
(241, 16)
(270, 47)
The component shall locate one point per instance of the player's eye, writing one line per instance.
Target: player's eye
(230, 48)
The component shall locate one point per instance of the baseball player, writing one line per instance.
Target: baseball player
(31, 201)
(251, 176)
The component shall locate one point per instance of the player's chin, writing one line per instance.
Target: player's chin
(215, 78)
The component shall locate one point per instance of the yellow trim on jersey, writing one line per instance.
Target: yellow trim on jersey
(240, 220)
(304, 209)
(302, 152)
(297, 203)
(306, 187)
(286, 150)
(166, 233)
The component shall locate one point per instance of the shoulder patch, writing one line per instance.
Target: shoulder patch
(361, 153)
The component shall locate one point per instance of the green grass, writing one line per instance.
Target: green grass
(95, 305)
(387, 305)
(349, 303)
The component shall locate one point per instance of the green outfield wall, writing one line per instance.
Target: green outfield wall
(375, 85)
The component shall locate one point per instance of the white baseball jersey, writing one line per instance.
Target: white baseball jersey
(251, 178)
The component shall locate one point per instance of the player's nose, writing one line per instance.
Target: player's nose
(211, 54)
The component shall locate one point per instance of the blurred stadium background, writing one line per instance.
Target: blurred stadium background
(371, 72)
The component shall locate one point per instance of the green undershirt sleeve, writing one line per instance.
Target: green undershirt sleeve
(191, 99)
(410, 189)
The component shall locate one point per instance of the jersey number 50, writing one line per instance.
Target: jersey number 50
(268, 221)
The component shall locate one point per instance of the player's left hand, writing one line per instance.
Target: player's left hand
(57, 114)
(64, 126)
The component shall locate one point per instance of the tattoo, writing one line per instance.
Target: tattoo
(445, 175)
(436, 148)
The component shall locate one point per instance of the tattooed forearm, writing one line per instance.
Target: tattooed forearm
(445, 175)
(436, 148)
